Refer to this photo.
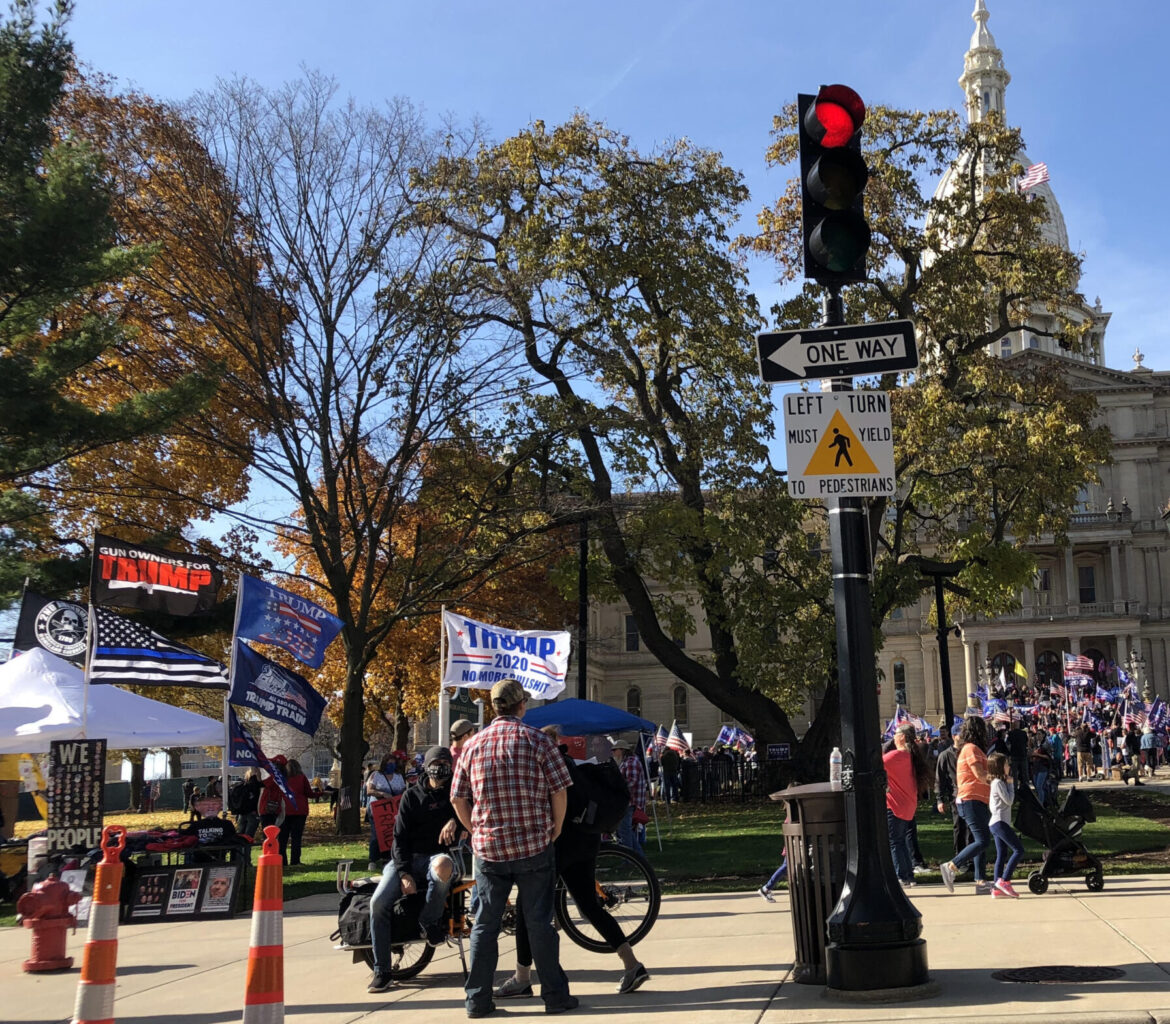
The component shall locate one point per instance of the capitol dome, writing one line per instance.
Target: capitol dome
(984, 81)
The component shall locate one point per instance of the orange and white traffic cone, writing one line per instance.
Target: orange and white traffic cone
(95, 993)
(264, 987)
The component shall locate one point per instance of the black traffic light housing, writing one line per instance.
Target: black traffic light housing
(832, 185)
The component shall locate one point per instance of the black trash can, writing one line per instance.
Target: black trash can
(690, 781)
(814, 842)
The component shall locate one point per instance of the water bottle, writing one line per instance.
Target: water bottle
(835, 769)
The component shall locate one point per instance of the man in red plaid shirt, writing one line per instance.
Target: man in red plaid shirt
(630, 765)
(509, 790)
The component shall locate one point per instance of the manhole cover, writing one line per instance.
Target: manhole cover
(1059, 975)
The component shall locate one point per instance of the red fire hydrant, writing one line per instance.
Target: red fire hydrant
(45, 909)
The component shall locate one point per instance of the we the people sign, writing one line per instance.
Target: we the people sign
(77, 774)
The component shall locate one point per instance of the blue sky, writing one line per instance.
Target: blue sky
(1085, 77)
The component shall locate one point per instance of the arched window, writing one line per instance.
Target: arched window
(1049, 669)
(680, 705)
(634, 701)
(1007, 664)
(986, 102)
(900, 683)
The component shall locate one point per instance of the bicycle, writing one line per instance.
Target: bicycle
(626, 886)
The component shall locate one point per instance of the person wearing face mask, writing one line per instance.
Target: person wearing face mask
(424, 832)
(382, 783)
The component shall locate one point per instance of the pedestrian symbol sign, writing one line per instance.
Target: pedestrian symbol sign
(839, 444)
(839, 451)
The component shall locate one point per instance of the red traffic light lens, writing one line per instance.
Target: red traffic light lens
(836, 116)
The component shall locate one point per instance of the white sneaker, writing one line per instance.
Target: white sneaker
(766, 893)
(947, 870)
(921, 869)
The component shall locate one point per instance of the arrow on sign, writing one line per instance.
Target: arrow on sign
(837, 351)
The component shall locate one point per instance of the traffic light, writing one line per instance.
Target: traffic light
(832, 181)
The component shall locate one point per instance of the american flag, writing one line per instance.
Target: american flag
(1058, 691)
(126, 651)
(675, 740)
(1035, 175)
(1077, 665)
(1135, 713)
(660, 738)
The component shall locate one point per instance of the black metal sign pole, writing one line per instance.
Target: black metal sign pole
(874, 931)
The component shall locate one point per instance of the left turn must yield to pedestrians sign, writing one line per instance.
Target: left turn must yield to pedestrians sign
(840, 444)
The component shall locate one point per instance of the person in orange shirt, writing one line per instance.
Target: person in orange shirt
(973, 799)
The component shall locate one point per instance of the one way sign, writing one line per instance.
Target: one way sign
(851, 351)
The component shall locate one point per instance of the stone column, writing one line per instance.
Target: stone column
(1030, 659)
(1072, 593)
(1115, 567)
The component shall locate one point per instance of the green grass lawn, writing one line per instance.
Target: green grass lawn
(736, 847)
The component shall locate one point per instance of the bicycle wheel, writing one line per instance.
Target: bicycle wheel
(406, 960)
(626, 887)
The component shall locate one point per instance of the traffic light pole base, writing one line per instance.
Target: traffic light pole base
(853, 969)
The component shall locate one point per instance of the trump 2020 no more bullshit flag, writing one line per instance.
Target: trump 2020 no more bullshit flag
(274, 691)
(480, 655)
(126, 651)
(150, 578)
(275, 616)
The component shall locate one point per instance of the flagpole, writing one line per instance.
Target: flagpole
(90, 641)
(227, 734)
(444, 699)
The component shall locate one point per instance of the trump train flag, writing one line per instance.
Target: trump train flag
(274, 691)
(150, 578)
(272, 615)
(480, 655)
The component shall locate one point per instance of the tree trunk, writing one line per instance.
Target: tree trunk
(402, 726)
(175, 761)
(352, 747)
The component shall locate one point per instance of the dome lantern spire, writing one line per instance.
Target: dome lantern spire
(984, 79)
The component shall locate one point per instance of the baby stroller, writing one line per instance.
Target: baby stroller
(1059, 833)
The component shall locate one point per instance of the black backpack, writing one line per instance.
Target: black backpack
(598, 797)
(238, 796)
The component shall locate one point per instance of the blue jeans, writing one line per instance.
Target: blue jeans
(386, 895)
(1006, 839)
(535, 880)
(625, 831)
(778, 875)
(900, 846)
(978, 818)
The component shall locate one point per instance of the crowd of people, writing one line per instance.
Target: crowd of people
(1012, 738)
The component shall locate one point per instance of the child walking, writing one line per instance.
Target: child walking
(1002, 796)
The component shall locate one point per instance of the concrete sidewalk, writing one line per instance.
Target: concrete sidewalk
(722, 958)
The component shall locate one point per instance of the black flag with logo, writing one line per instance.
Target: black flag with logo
(56, 626)
(150, 578)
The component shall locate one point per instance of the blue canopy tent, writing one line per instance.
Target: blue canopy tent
(585, 718)
(589, 718)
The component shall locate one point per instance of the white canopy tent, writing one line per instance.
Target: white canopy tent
(41, 699)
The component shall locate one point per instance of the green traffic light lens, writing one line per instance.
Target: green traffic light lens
(839, 241)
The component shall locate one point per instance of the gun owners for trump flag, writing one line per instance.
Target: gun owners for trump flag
(480, 656)
(151, 579)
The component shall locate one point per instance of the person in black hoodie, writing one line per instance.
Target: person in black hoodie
(424, 832)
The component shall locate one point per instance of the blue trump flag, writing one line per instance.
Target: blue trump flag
(274, 691)
(274, 616)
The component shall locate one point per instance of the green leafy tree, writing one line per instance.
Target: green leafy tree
(609, 272)
(57, 248)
